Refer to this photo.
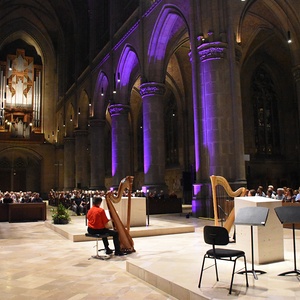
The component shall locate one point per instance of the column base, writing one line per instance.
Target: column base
(202, 205)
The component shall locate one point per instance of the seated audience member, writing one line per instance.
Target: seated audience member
(98, 223)
(271, 187)
(270, 194)
(251, 193)
(289, 196)
(280, 194)
(37, 198)
(77, 203)
(7, 198)
(260, 192)
(297, 199)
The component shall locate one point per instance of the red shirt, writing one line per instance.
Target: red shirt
(97, 218)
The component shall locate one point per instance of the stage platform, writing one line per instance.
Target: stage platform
(76, 229)
(44, 264)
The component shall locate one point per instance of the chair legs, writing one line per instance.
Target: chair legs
(202, 269)
(216, 269)
(200, 279)
(98, 237)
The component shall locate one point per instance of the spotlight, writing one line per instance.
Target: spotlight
(289, 40)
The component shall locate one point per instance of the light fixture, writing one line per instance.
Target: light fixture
(7, 82)
(115, 89)
(64, 125)
(10, 65)
(102, 92)
(289, 40)
(79, 110)
(30, 124)
(52, 133)
(119, 78)
(57, 128)
(71, 118)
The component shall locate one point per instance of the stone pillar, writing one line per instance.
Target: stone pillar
(69, 163)
(97, 156)
(81, 159)
(296, 74)
(220, 123)
(120, 136)
(154, 136)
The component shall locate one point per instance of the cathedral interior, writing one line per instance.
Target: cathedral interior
(168, 91)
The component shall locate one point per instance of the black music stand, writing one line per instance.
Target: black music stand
(289, 214)
(253, 216)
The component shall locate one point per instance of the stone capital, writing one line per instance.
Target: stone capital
(118, 109)
(212, 51)
(152, 88)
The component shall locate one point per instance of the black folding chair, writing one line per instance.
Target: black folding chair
(216, 236)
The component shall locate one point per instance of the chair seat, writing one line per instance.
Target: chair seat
(218, 235)
(222, 253)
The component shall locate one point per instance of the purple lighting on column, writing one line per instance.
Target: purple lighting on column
(147, 136)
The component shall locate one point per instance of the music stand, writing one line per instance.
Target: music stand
(289, 214)
(253, 216)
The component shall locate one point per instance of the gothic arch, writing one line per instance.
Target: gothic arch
(253, 21)
(127, 70)
(83, 111)
(20, 169)
(69, 120)
(170, 27)
(99, 103)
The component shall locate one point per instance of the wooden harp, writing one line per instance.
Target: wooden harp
(220, 196)
(126, 242)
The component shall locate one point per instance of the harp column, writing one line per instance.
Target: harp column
(120, 137)
(69, 164)
(153, 129)
(81, 159)
(97, 156)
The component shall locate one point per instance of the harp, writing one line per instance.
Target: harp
(126, 242)
(221, 191)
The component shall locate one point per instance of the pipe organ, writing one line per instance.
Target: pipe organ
(20, 93)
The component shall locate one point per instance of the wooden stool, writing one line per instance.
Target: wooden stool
(98, 237)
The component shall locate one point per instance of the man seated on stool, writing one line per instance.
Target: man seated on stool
(98, 224)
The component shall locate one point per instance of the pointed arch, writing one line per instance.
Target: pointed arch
(128, 69)
(99, 102)
(169, 28)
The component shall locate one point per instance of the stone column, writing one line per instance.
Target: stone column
(296, 74)
(120, 136)
(221, 126)
(81, 159)
(154, 136)
(97, 156)
(69, 163)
